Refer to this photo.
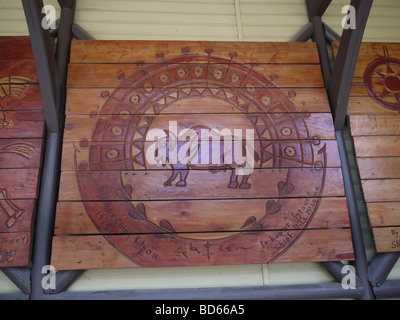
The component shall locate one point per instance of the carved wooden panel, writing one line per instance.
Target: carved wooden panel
(21, 134)
(375, 126)
(120, 208)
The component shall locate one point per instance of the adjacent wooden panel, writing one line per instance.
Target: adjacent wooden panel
(14, 249)
(384, 214)
(18, 71)
(21, 144)
(375, 125)
(379, 168)
(20, 153)
(381, 190)
(16, 48)
(21, 124)
(19, 183)
(377, 146)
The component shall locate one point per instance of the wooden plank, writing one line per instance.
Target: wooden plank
(16, 47)
(379, 168)
(22, 124)
(377, 146)
(384, 214)
(18, 71)
(375, 125)
(72, 217)
(20, 153)
(313, 125)
(90, 100)
(16, 215)
(111, 75)
(381, 190)
(75, 154)
(133, 51)
(14, 249)
(19, 183)
(91, 252)
(387, 239)
(22, 98)
(199, 186)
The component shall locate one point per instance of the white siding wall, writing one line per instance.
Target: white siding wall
(248, 20)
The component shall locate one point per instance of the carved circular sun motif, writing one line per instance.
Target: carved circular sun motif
(198, 92)
(382, 81)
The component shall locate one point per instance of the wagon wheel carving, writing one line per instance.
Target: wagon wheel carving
(155, 92)
(382, 81)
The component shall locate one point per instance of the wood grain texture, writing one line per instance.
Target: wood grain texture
(21, 145)
(78, 127)
(381, 190)
(22, 124)
(123, 211)
(17, 47)
(133, 51)
(264, 181)
(71, 148)
(384, 214)
(108, 75)
(375, 125)
(15, 249)
(19, 183)
(72, 218)
(20, 153)
(377, 146)
(379, 168)
(89, 100)
(90, 252)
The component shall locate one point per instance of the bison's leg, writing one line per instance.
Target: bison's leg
(173, 176)
(245, 184)
(233, 184)
(184, 173)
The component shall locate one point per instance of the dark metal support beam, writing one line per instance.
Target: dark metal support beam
(20, 277)
(81, 34)
(317, 7)
(390, 289)
(289, 292)
(381, 266)
(45, 63)
(52, 71)
(345, 63)
(304, 33)
(320, 39)
(330, 34)
(361, 262)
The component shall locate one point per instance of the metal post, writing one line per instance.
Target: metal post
(345, 64)
(361, 262)
(52, 72)
(304, 34)
(45, 63)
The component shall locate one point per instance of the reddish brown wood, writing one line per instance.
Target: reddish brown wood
(122, 210)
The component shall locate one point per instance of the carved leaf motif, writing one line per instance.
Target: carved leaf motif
(285, 188)
(248, 222)
(138, 213)
(167, 225)
(272, 208)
